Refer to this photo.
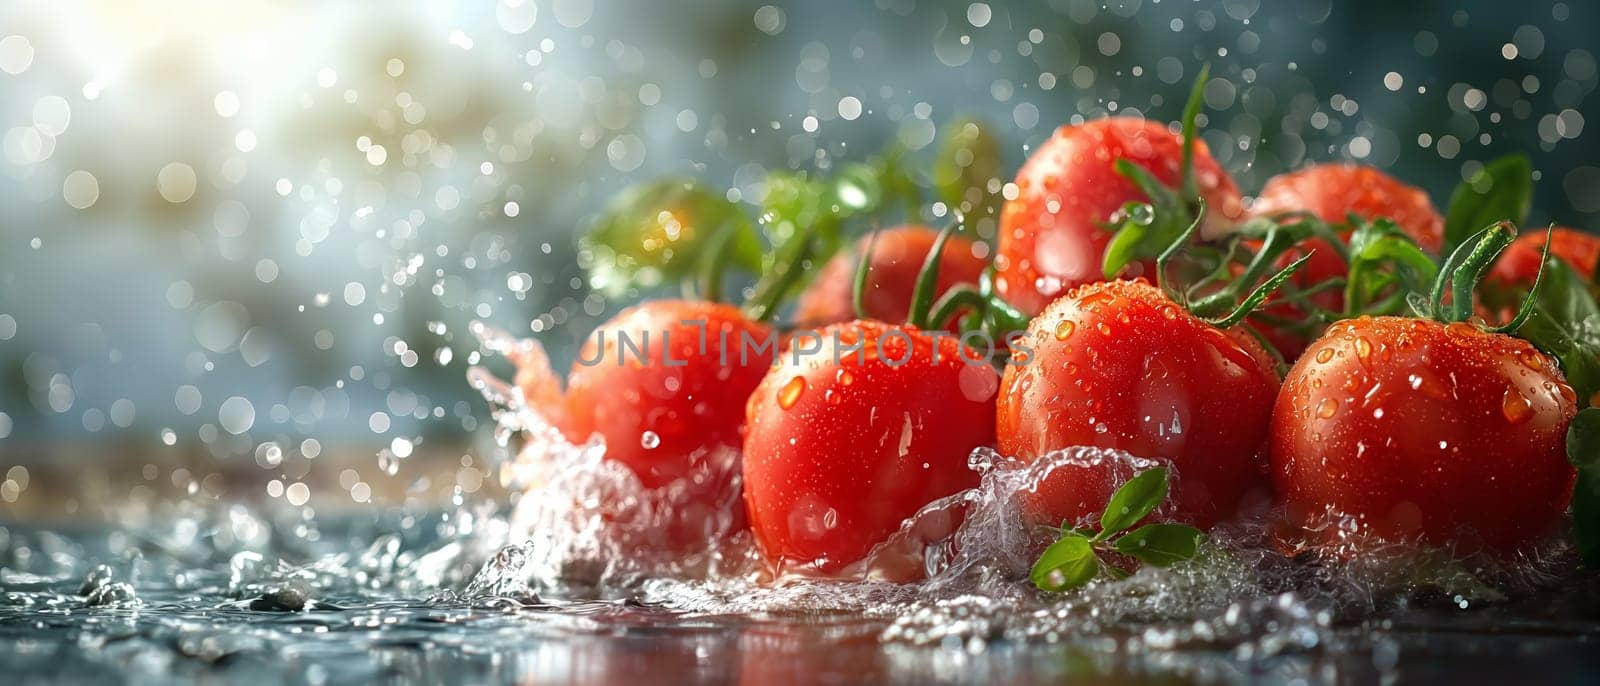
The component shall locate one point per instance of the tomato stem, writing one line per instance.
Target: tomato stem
(1525, 309)
(708, 284)
(788, 268)
(858, 290)
(1260, 294)
(1191, 112)
(1463, 270)
(923, 293)
(1171, 252)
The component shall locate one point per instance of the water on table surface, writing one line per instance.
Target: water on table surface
(205, 594)
(366, 613)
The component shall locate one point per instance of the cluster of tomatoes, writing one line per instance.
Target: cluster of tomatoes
(1439, 430)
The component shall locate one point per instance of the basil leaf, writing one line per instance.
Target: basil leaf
(1501, 191)
(1583, 439)
(1068, 563)
(1586, 515)
(1135, 499)
(1161, 545)
(1565, 324)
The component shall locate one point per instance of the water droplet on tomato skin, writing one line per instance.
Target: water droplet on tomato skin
(844, 377)
(1064, 329)
(1515, 408)
(791, 392)
(1324, 355)
(1363, 348)
(1327, 408)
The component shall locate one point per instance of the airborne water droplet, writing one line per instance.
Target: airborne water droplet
(650, 440)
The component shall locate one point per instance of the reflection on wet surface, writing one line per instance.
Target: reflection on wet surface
(347, 617)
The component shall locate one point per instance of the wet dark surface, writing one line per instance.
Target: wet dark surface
(357, 617)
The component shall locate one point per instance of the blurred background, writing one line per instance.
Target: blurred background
(241, 243)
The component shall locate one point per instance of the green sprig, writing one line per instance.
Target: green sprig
(1079, 555)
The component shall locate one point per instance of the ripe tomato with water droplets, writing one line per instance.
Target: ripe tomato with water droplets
(663, 398)
(1053, 234)
(670, 410)
(1119, 365)
(1332, 192)
(1424, 432)
(1519, 264)
(897, 256)
(842, 446)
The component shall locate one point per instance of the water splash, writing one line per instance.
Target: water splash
(586, 524)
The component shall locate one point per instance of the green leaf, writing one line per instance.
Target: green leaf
(1133, 501)
(1565, 324)
(1586, 515)
(1161, 545)
(1501, 191)
(659, 231)
(1124, 247)
(1068, 563)
(1583, 439)
(1381, 256)
(969, 161)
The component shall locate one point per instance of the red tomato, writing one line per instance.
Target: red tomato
(658, 412)
(843, 446)
(897, 257)
(1333, 191)
(1053, 235)
(1119, 365)
(1422, 431)
(1519, 264)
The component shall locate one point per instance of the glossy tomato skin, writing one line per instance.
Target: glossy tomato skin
(897, 257)
(1519, 264)
(1053, 236)
(842, 447)
(690, 400)
(1334, 191)
(1424, 432)
(1119, 365)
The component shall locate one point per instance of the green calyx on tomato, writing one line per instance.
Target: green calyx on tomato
(1227, 304)
(1145, 230)
(1080, 555)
